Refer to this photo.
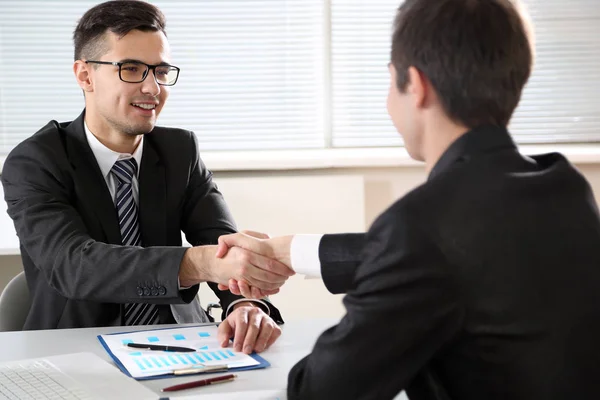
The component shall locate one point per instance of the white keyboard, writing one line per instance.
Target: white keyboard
(37, 380)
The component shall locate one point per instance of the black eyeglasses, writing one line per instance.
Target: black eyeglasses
(137, 71)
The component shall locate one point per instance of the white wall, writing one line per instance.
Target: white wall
(309, 201)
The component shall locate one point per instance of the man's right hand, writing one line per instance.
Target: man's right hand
(277, 248)
(200, 264)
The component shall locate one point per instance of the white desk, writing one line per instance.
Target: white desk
(296, 341)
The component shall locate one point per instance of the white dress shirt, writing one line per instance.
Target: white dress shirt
(304, 255)
(106, 158)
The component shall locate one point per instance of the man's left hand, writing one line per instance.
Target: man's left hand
(251, 328)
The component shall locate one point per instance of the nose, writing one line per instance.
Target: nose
(150, 86)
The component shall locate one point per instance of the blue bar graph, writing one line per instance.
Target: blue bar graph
(140, 365)
(152, 339)
(215, 355)
(148, 363)
(155, 362)
(180, 358)
(173, 360)
(222, 353)
(179, 337)
(206, 356)
(199, 358)
(203, 334)
(165, 361)
(230, 353)
(192, 361)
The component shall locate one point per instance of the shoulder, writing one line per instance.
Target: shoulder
(173, 142)
(44, 148)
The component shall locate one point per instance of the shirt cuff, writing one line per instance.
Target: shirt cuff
(180, 287)
(304, 254)
(264, 305)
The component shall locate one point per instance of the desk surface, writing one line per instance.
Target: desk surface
(296, 341)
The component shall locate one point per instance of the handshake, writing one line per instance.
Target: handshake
(249, 264)
(271, 256)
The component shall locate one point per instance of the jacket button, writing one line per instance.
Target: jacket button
(146, 291)
(140, 291)
(162, 290)
(154, 291)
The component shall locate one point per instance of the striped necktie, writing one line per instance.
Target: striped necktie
(127, 211)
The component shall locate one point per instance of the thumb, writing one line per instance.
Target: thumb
(225, 332)
(222, 247)
(244, 241)
(255, 234)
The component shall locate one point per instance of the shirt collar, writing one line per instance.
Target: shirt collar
(483, 139)
(106, 157)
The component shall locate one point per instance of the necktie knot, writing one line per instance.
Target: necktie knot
(124, 170)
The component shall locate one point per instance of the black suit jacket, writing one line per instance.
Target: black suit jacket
(77, 272)
(482, 284)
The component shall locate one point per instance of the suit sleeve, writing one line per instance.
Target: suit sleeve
(206, 217)
(340, 256)
(38, 191)
(403, 307)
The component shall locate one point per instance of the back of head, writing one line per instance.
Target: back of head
(477, 54)
(119, 17)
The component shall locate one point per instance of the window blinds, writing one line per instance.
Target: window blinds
(251, 70)
(561, 102)
(287, 74)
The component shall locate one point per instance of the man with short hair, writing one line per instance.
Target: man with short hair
(99, 203)
(482, 283)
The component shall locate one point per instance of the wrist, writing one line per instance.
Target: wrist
(197, 265)
(281, 249)
(247, 303)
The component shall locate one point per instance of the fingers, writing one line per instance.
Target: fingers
(241, 327)
(225, 332)
(233, 287)
(274, 335)
(263, 337)
(257, 235)
(245, 290)
(242, 288)
(269, 265)
(254, 328)
(256, 293)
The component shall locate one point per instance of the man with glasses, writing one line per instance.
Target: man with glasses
(99, 203)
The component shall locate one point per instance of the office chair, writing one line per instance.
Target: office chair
(14, 304)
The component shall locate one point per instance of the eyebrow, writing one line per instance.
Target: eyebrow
(133, 60)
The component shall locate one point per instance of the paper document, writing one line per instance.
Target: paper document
(141, 363)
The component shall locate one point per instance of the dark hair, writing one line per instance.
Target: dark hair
(119, 17)
(477, 54)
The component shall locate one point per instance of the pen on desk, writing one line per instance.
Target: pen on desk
(203, 382)
(199, 369)
(160, 347)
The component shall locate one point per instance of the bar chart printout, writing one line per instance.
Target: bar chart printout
(141, 363)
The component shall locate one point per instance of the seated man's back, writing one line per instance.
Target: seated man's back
(520, 239)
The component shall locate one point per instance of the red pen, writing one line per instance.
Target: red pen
(203, 382)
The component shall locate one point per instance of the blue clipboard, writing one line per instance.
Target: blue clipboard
(262, 362)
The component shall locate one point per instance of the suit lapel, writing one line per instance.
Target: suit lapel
(89, 182)
(152, 197)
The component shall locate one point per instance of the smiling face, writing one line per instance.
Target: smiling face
(123, 108)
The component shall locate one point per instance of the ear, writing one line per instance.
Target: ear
(417, 87)
(83, 76)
